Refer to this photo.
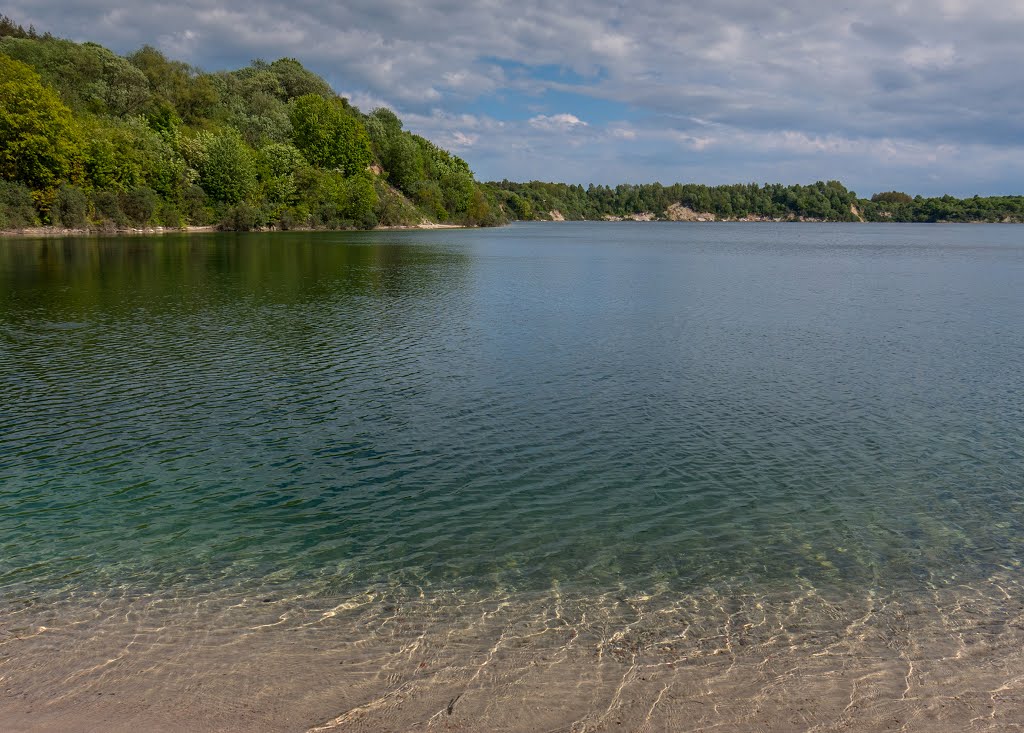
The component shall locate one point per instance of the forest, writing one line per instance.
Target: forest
(821, 201)
(91, 139)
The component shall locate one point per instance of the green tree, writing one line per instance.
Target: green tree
(297, 81)
(328, 135)
(38, 140)
(227, 171)
(427, 194)
(192, 93)
(87, 76)
(404, 163)
(360, 200)
(276, 167)
(457, 191)
(892, 197)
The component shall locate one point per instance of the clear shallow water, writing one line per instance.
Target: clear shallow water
(591, 404)
(732, 420)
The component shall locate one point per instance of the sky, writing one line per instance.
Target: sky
(924, 97)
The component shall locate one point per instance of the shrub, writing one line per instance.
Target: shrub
(243, 217)
(71, 209)
(16, 206)
(107, 206)
(140, 205)
(195, 206)
(292, 217)
(170, 216)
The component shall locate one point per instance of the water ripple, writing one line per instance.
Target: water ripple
(499, 410)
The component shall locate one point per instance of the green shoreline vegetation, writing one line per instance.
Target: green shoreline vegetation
(821, 201)
(90, 140)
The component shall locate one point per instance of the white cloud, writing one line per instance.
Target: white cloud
(463, 140)
(561, 122)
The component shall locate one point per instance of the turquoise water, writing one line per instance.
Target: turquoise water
(590, 406)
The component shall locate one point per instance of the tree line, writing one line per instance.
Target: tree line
(820, 201)
(89, 138)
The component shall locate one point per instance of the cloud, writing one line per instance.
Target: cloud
(800, 83)
(562, 122)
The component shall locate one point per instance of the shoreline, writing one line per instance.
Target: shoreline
(55, 232)
(61, 232)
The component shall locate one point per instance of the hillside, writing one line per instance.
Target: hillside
(92, 139)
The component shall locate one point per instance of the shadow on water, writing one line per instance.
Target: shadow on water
(105, 273)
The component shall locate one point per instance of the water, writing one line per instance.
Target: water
(795, 436)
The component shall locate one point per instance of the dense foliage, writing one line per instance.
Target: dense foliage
(825, 201)
(946, 208)
(90, 138)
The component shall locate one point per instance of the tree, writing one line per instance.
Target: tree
(191, 93)
(360, 199)
(891, 197)
(403, 161)
(227, 171)
(14, 30)
(456, 191)
(297, 81)
(38, 141)
(398, 151)
(328, 135)
(87, 76)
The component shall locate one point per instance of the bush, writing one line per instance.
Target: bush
(71, 209)
(140, 205)
(195, 206)
(170, 216)
(17, 209)
(243, 217)
(107, 206)
(292, 218)
(393, 209)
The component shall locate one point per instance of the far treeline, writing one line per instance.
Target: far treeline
(821, 201)
(91, 139)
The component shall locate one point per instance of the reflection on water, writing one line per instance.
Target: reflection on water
(705, 473)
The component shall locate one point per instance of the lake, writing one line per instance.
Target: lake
(553, 476)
